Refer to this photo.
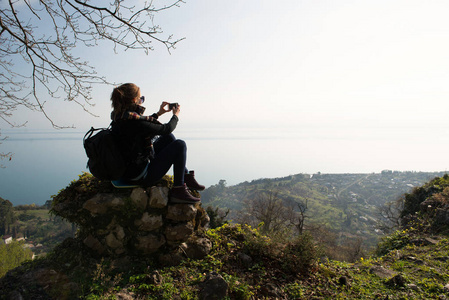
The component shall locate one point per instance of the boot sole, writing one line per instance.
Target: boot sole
(181, 201)
(198, 190)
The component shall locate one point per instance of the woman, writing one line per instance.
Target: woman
(148, 162)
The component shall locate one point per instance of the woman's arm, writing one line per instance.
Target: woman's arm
(151, 128)
(165, 108)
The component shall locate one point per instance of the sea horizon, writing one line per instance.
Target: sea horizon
(46, 161)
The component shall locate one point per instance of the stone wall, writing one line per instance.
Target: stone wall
(118, 222)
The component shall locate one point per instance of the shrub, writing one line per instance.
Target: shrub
(13, 255)
(300, 255)
(396, 240)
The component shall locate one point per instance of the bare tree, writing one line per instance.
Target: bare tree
(37, 39)
(389, 215)
(47, 53)
(4, 155)
(268, 209)
(301, 216)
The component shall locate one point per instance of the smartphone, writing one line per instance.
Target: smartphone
(172, 105)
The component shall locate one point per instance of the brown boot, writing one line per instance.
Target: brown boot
(189, 179)
(180, 194)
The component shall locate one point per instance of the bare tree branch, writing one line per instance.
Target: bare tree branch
(389, 215)
(268, 209)
(37, 40)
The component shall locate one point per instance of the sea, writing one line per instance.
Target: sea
(44, 162)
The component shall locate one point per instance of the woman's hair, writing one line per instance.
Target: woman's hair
(123, 96)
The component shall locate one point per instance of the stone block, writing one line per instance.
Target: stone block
(149, 222)
(113, 242)
(150, 243)
(213, 287)
(140, 198)
(158, 196)
(181, 212)
(101, 203)
(198, 248)
(94, 244)
(179, 233)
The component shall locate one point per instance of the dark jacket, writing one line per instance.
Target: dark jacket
(135, 136)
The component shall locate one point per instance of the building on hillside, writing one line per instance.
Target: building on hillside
(6, 239)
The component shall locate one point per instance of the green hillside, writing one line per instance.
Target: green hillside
(346, 204)
(410, 263)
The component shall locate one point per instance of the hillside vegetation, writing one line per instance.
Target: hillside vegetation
(410, 263)
(348, 207)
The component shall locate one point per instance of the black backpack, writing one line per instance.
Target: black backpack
(105, 161)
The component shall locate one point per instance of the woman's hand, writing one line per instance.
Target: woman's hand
(163, 109)
(176, 110)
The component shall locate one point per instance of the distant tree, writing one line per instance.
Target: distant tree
(32, 206)
(37, 39)
(13, 255)
(269, 210)
(214, 192)
(301, 216)
(352, 250)
(389, 215)
(217, 216)
(222, 184)
(6, 215)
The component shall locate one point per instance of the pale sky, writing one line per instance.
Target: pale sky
(293, 65)
(362, 75)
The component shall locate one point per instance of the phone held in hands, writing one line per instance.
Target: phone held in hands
(172, 105)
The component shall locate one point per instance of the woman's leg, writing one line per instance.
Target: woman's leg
(168, 152)
(189, 177)
(163, 141)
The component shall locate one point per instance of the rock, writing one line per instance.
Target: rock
(101, 203)
(158, 197)
(94, 244)
(149, 222)
(112, 241)
(181, 212)
(155, 278)
(214, 287)
(397, 281)
(246, 260)
(205, 220)
(150, 243)
(140, 198)
(423, 242)
(413, 287)
(415, 260)
(198, 248)
(343, 280)
(179, 233)
(382, 272)
(173, 258)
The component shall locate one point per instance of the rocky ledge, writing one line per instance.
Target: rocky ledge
(126, 222)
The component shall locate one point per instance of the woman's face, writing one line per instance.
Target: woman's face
(137, 99)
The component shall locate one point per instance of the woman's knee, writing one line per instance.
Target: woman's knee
(180, 144)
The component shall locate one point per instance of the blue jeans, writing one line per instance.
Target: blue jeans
(168, 151)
